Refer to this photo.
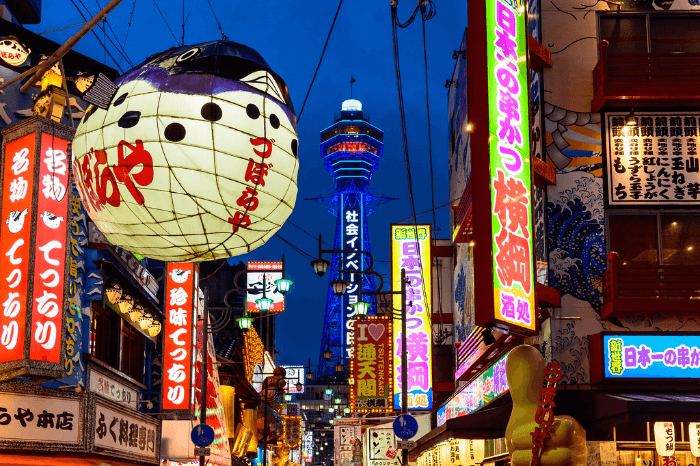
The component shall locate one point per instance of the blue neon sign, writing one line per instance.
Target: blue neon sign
(670, 356)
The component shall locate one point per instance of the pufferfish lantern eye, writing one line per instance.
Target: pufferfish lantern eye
(189, 55)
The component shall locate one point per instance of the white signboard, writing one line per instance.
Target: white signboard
(295, 375)
(264, 274)
(110, 388)
(382, 447)
(654, 162)
(117, 430)
(35, 418)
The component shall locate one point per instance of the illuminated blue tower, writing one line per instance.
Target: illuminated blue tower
(351, 148)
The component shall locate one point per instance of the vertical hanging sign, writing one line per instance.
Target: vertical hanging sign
(33, 249)
(410, 250)
(178, 346)
(510, 182)
(50, 250)
(371, 368)
(15, 235)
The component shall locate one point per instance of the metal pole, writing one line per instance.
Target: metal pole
(404, 359)
(203, 391)
(265, 386)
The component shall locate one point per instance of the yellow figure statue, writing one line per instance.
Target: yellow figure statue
(567, 443)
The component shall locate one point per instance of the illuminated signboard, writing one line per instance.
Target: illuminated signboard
(481, 391)
(372, 389)
(178, 344)
(294, 376)
(645, 356)
(266, 273)
(352, 238)
(410, 250)
(511, 216)
(34, 234)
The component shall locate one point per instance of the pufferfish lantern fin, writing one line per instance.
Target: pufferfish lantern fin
(101, 92)
(263, 81)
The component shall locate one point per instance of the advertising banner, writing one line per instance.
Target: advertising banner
(410, 250)
(645, 356)
(263, 275)
(372, 390)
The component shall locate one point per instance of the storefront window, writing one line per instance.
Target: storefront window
(634, 238)
(680, 237)
(650, 458)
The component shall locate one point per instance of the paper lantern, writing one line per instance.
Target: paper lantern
(125, 303)
(191, 155)
(154, 329)
(136, 312)
(694, 430)
(458, 453)
(475, 451)
(665, 436)
(113, 292)
(443, 452)
(145, 321)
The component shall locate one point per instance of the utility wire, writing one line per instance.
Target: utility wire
(128, 27)
(98, 38)
(424, 13)
(118, 47)
(64, 27)
(177, 44)
(319, 61)
(223, 36)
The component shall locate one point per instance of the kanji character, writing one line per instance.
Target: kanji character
(151, 440)
(178, 296)
(352, 229)
(509, 116)
(123, 432)
(410, 262)
(417, 345)
(351, 216)
(18, 189)
(505, 18)
(523, 312)
(644, 356)
(142, 438)
(418, 375)
(513, 259)
(511, 203)
(24, 416)
(20, 162)
(64, 421)
(683, 356)
(133, 435)
(508, 306)
(178, 316)
(505, 42)
(366, 352)
(45, 419)
(53, 188)
(366, 369)
(366, 387)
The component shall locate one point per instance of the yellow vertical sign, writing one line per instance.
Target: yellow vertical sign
(410, 250)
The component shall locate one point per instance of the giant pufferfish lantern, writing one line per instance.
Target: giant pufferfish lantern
(191, 155)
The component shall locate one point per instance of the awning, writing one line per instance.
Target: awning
(604, 409)
(58, 459)
(486, 423)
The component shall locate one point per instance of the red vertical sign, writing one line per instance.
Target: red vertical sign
(178, 347)
(50, 250)
(15, 235)
(371, 367)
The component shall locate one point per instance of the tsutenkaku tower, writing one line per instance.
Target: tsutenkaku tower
(351, 148)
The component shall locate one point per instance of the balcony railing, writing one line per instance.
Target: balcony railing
(644, 77)
(653, 288)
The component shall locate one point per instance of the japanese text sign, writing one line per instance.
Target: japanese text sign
(511, 187)
(352, 237)
(15, 235)
(33, 240)
(292, 431)
(126, 432)
(178, 344)
(372, 390)
(40, 418)
(410, 250)
(654, 162)
(264, 274)
(382, 447)
(295, 375)
(665, 438)
(644, 356)
(485, 388)
(346, 433)
(544, 416)
(694, 437)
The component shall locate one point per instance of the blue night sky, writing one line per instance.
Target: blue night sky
(290, 36)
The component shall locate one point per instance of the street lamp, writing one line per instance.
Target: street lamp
(361, 308)
(328, 354)
(264, 303)
(339, 287)
(287, 397)
(244, 322)
(299, 386)
(329, 391)
(320, 266)
(283, 285)
(339, 367)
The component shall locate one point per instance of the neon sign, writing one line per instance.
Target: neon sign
(651, 356)
(410, 250)
(511, 215)
(481, 391)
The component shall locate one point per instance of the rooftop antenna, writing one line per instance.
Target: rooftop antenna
(352, 80)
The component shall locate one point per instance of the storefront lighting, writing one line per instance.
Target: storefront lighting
(631, 120)
(145, 321)
(339, 367)
(339, 287)
(331, 410)
(329, 391)
(288, 397)
(346, 410)
(113, 292)
(320, 266)
(361, 308)
(155, 328)
(299, 386)
(136, 312)
(338, 401)
(125, 303)
(244, 322)
(309, 376)
(283, 285)
(263, 304)
(328, 354)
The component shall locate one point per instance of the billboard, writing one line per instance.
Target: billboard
(371, 368)
(651, 356)
(410, 250)
(34, 233)
(294, 375)
(264, 274)
(179, 332)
